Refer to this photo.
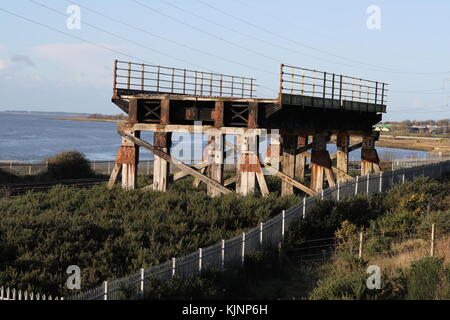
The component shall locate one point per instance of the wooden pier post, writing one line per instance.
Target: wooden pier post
(342, 144)
(289, 147)
(300, 159)
(320, 163)
(369, 156)
(161, 168)
(215, 161)
(128, 158)
(247, 163)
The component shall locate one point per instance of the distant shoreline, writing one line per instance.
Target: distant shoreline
(89, 119)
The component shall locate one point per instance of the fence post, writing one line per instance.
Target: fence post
(304, 207)
(46, 164)
(94, 164)
(173, 267)
(403, 175)
(261, 226)
(105, 292)
(321, 194)
(10, 167)
(29, 168)
(243, 249)
(200, 257)
(368, 183)
(381, 181)
(338, 190)
(432, 241)
(356, 185)
(109, 166)
(283, 219)
(223, 255)
(148, 167)
(142, 287)
(360, 245)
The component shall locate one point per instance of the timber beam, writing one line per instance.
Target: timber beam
(174, 161)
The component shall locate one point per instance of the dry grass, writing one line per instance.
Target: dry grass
(402, 254)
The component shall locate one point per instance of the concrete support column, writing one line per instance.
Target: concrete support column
(247, 163)
(300, 159)
(289, 146)
(215, 160)
(128, 157)
(161, 167)
(342, 144)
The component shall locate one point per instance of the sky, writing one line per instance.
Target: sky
(47, 63)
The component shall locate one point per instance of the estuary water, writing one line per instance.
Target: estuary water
(32, 137)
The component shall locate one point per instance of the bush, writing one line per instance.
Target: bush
(424, 278)
(69, 165)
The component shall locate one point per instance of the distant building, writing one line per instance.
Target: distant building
(423, 129)
(383, 127)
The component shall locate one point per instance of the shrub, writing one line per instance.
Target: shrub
(376, 244)
(69, 165)
(424, 277)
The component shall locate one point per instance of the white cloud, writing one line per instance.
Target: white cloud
(82, 63)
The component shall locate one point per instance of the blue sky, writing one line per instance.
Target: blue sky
(42, 69)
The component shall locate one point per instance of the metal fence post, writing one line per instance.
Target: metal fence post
(356, 185)
(142, 286)
(304, 207)
(360, 245)
(283, 218)
(173, 267)
(321, 194)
(105, 292)
(381, 181)
(432, 241)
(338, 189)
(261, 227)
(10, 167)
(243, 248)
(368, 183)
(403, 175)
(200, 257)
(223, 255)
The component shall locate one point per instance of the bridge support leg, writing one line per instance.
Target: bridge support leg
(369, 156)
(300, 159)
(215, 161)
(289, 146)
(129, 159)
(320, 163)
(342, 144)
(247, 163)
(163, 141)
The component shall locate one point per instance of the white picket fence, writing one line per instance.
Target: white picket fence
(13, 294)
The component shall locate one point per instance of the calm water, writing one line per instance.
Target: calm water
(33, 137)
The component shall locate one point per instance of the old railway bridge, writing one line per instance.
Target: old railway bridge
(311, 107)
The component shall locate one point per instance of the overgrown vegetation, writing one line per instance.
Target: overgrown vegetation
(65, 165)
(110, 233)
(388, 221)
